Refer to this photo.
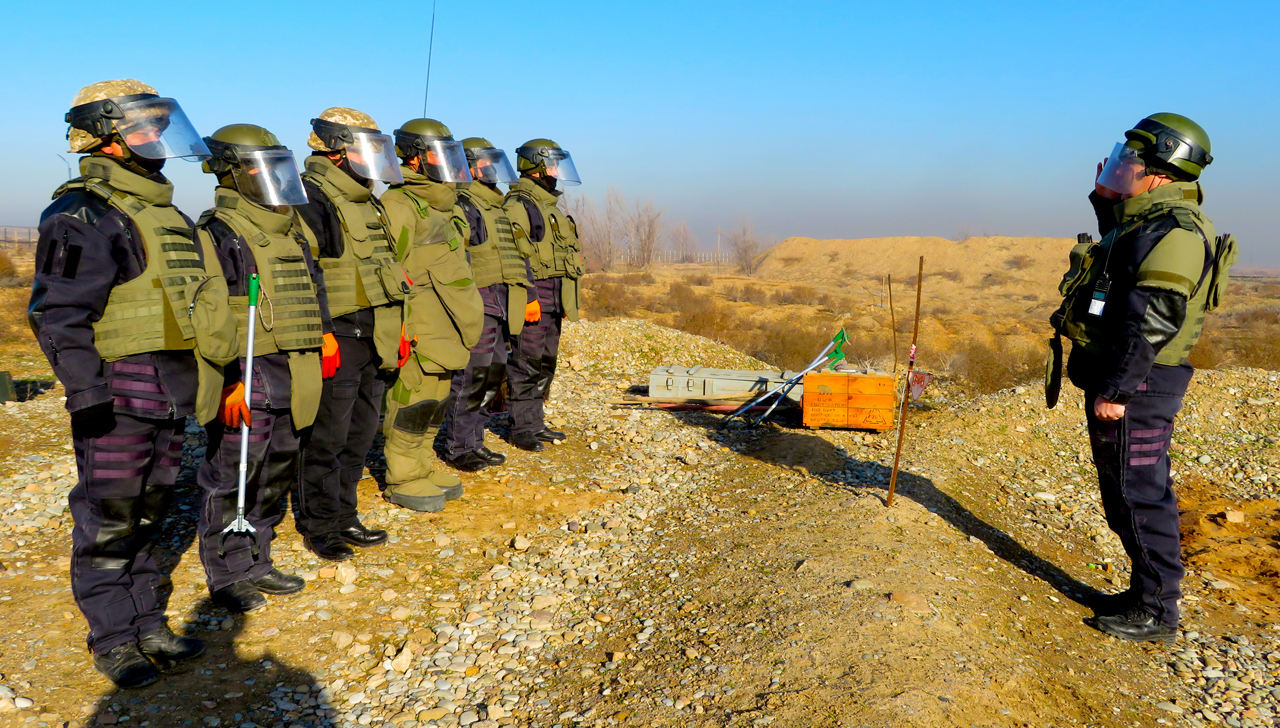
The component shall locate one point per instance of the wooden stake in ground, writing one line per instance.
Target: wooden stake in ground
(893, 324)
(906, 389)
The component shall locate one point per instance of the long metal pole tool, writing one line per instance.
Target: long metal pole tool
(906, 389)
(240, 525)
(787, 385)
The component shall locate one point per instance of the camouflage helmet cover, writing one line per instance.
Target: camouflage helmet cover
(341, 115)
(80, 140)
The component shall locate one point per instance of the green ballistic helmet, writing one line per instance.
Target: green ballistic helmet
(530, 155)
(1172, 144)
(412, 136)
(226, 143)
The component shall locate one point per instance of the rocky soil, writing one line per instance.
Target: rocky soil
(657, 570)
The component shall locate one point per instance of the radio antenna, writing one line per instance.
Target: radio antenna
(431, 43)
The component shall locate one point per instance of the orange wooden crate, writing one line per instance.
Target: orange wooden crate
(849, 400)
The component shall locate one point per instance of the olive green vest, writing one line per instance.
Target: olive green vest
(444, 315)
(500, 258)
(559, 253)
(175, 304)
(288, 318)
(1089, 261)
(367, 274)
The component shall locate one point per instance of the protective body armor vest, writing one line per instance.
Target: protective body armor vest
(444, 314)
(1090, 260)
(367, 275)
(558, 253)
(288, 312)
(497, 259)
(152, 312)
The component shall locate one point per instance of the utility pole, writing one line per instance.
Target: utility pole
(717, 250)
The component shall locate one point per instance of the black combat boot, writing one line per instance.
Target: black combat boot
(360, 535)
(329, 546)
(528, 441)
(469, 462)
(1110, 605)
(494, 458)
(278, 583)
(548, 435)
(166, 649)
(126, 666)
(1136, 625)
(239, 598)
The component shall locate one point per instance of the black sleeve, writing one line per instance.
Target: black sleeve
(322, 219)
(79, 256)
(537, 225)
(229, 249)
(1105, 210)
(479, 233)
(1146, 321)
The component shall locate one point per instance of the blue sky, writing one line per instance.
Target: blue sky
(825, 119)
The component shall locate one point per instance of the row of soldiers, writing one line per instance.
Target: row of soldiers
(414, 299)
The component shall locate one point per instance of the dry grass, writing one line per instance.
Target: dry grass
(7, 268)
(13, 314)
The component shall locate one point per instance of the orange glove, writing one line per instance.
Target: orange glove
(405, 349)
(233, 409)
(330, 357)
(532, 312)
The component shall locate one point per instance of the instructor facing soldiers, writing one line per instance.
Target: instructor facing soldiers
(442, 316)
(1134, 306)
(365, 287)
(502, 273)
(131, 312)
(532, 206)
(253, 231)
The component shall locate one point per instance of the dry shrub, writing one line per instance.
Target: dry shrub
(940, 309)
(803, 295)
(749, 293)
(987, 369)
(789, 261)
(1207, 354)
(833, 256)
(1019, 262)
(699, 279)
(993, 279)
(13, 314)
(641, 278)
(608, 297)
(951, 275)
(7, 268)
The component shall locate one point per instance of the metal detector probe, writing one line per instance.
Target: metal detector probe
(780, 390)
(240, 525)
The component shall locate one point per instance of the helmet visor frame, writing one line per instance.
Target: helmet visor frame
(491, 166)
(373, 156)
(155, 127)
(1125, 171)
(444, 160)
(560, 166)
(269, 176)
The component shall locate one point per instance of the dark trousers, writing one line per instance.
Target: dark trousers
(474, 388)
(1132, 457)
(530, 370)
(333, 453)
(274, 455)
(127, 467)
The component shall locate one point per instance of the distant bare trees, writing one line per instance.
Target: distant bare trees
(601, 232)
(745, 247)
(645, 227)
(683, 243)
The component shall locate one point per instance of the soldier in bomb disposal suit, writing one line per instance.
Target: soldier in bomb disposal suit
(532, 206)
(132, 313)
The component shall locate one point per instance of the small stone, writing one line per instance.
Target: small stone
(347, 589)
(400, 614)
(520, 543)
(389, 595)
(402, 661)
(347, 574)
(1204, 459)
(228, 624)
(1166, 705)
(912, 602)
(23, 703)
(1045, 496)
(432, 714)
(270, 631)
(342, 639)
(468, 717)
(1235, 517)
(327, 572)
(691, 653)
(861, 585)
(602, 618)
(442, 540)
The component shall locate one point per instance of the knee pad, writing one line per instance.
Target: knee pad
(116, 542)
(419, 417)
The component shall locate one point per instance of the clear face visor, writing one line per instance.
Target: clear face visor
(445, 161)
(373, 156)
(560, 166)
(269, 177)
(156, 128)
(492, 166)
(1125, 172)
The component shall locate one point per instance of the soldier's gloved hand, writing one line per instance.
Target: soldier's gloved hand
(533, 312)
(405, 349)
(330, 357)
(234, 410)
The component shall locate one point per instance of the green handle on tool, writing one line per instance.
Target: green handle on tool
(253, 289)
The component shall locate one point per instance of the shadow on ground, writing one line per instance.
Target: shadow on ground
(791, 449)
(221, 684)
